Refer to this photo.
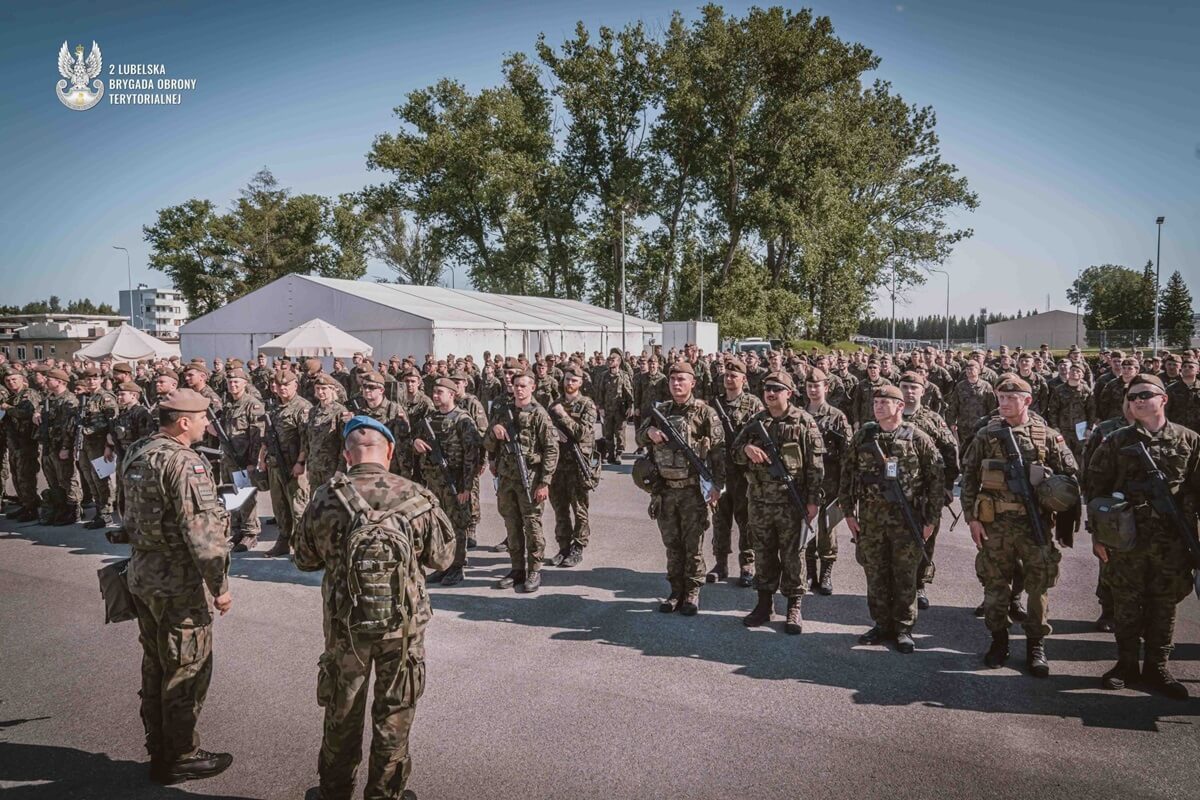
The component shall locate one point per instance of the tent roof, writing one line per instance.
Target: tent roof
(315, 339)
(127, 343)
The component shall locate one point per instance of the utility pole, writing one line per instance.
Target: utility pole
(1157, 272)
(893, 308)
(129, 282)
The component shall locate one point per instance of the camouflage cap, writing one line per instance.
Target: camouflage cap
(816, 375)
(129, 386)
(887, 391)
(681, 368)
(184, 400)
(779, 380)
(1012, 384)
(1150, 380)
(913, 377)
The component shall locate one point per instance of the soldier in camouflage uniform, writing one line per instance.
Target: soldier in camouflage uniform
(97, 411)
(1183, 396)
(971, 398)
(835, 433)
(614, 398)
(547, 390)
(177, 527)
(475, 409)
(1037, 382)
(416, 405)
(21, 433)
(461, 445)
(1108, 402)
(133, 422)
(321, 438)
(861, 409)
(1071, 405)
(678, 504)
(886, 548)
(242, 419)
(1105, 623)
(1001, 528)
(397, 656)
(1150, 579)
(521, 506)
(778, 526)
(735, 406)
(371, 403)
(653, 390)
(57, 421)
(574, 417)
(280, 449)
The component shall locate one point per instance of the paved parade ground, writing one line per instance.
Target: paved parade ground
(584, 690)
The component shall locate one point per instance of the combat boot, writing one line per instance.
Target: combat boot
(201, 764)
(795, 622)
(532, 582)
(980, 610)
(810, 572)
(500, 548)
(558, 558)
(510, 580)
(825, 585)
(435, 576)
(746, 578)
(720, 570)
(68, 516)
(99, 522)
(1035, 657)
(453, 576)
(761, 614)
(574, 557)
(13, 513)
(691, 603)
(904, 642)
(922, 599)
(1015, 612)
(282, 547)
(28, 515)
(1126, 670)
(245, 544)
(997, 654)
(671, 603)
(873, 636)
(1105, 623)
(1157, 677)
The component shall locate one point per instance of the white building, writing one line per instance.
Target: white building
(158, 312)
(1059, 329)
(404, 320)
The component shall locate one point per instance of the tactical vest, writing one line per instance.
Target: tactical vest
(672, 463)
(146, 497)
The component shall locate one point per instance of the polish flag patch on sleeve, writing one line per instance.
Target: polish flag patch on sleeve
(198, 469)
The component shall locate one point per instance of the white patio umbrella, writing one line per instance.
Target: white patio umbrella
(315, 339)
(127, 343)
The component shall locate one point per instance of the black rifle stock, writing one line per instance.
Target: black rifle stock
(893, 492)
(1016, 476)
(436, 454)
(514, 447)
(583, 463)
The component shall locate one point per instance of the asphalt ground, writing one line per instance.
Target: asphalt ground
(584, 690)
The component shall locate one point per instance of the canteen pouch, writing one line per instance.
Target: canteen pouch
(985, 509)
(1112, 524)
(991, 476)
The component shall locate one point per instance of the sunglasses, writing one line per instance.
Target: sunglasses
(774, 389)
(1144, 395)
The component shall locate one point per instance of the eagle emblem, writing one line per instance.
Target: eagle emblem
(79, 71)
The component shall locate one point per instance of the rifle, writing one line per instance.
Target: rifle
(726, 422)
(436, 454)
(275, 445)
(514, 446)
(707, 482)
(584, 464)
(1163, 503)
(779, 472)
(894, 494)
(77, 446)
(1016, 476)
(224, 440)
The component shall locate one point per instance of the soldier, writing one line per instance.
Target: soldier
(98, 410)
(678, 504)
(1105, 623)
(547, 391)
(281, 448)
(261, 376)
(891, 449)
(735, 406)
(176, 526)
(461, 446)
(1150, 576)
(21, 432)
(864, 392)
(835, 433)
(778, 527)
(416, 405)
(1000, 526)
(321, 438)
(1108, 402)
(474, 408)
(217, 377)
(913, 386)
(574, 417)
(615, 398)
(195, 375)
(397, 652)
(520, 503)
(1072, 410)
(133, 422)
(1183, 396)
(371, 403)
(971, 399)
(242, 419)
(57, 424)
(653, 390)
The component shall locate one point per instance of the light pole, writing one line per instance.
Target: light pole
(129, 281)
(1078, 278)
(946, 341)
(1157, 272)
(621, 253)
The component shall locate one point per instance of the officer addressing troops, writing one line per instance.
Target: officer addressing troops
(835, 433)
(281, 449)
(178, 572)
(1017, 471)
(372, 532)
(574, 418)
(1143, 485)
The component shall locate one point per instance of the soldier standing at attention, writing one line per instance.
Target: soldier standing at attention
(836, 433)
(678, 505)
(98, 410)
(736, 406)
(57, 421)
(1000, 526)
(1183, 406)
(321, 439)
(176, 526)
(473, 406)
(371, 624)
(242, 419)
(133, 422)
(1151, 575)
(1072, 406)
(864, 392)
(22, 433)
(462, 447)
(416, 405)
(1105, 623)
(572, 481)
(970, 399)
(777, 525)
(521, 505)
(282, 440)
(890, 449)
(615, 398)
(371, 403)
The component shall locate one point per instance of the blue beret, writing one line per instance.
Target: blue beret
(362, 421)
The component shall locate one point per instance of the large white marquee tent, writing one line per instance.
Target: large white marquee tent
(413, 320)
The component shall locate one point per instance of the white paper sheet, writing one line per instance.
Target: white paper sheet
(1081, 430)
(241, 479)
(234, 501)
(104, 468)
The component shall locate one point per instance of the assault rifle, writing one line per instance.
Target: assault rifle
(275, 445)
(514, 447)
(707, 482)
(1016, 476)
(224, 440)
(726, 421)
(778, 471)
(436, 454)
(586, 465)
(77, 447)
(1164, 505)
(889, 484)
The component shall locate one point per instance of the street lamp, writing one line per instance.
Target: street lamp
(946, 341)
(1157, 272)
(129, 281)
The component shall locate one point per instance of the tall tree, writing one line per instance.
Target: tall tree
(1175, 315)
(411, 252)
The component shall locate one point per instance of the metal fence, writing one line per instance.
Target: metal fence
(1120, 338)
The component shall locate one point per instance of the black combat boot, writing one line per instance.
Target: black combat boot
(453, 576)
(691, 603)
(1105, 623)
(559, 557)
(201, 764)
(825, 586)
(281, 548)
(720, 570)
(873, 636)
(980, 610)
(671, 603)
(922, 599)
(795, 622)
(1126, 670)
(761, 614)
(435, 576)
(532, 582)
(13, 513)
(28, 514)
(68, 516)
(574, 556)
(1015, 612)
(1156, 676)
(245, 544)
(500, 548)
(810, 572)
(510, 580)
(904, 642)
(1035, 657)
(997, 654)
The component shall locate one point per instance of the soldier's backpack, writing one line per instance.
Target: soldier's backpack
(373, 594)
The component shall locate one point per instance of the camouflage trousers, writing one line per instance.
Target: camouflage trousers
(458, 513)
(24, 462)
(1104, 590)
(4, 467)
(101, 488)
(1008, 549)
(569, 499)
(928, 569)
(733, 507)
(343, 671)
(891, 560)
(1147, 584)
(682, 518)
(613, 429)
(176, 638)
(776, 530)
(61, 476)
(523, 525)
(243, 523)
(289, 498)
(319, 474)
(825, 543)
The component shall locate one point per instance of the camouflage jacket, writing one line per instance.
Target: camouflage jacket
(132, 423)
(461, 444)
(920, 474)
(547, 392)
(1111, 398)
(932, 424)
(308, 383)
(836, 433)
(802, 449)
(321, 438)
(97, 412)
(615, 392)
(261, 377)
(1068, 406)
(18, 416)
(176, 523)
(738, 412)
(58, 421)
(288, 421)
(242, 420)
(539, 444)
(1041, 390)
(318, 539)
(1051, 452)
(1097, 436)
(700, 428)
(1183, 404)
(967, 403)
(214, 400)
(653, 389)
(580, 423)
(472, 405)
(862, 408)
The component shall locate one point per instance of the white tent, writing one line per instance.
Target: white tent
(127, 343)
(315, 339)
(413, 320)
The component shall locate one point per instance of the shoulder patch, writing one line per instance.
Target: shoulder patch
(198, 469)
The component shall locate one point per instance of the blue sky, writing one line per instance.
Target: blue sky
(1077, 122)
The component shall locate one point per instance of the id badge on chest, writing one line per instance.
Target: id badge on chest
(891, 469)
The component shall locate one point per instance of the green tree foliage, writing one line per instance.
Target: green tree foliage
(53, 305)
(933, 328)
(408, 250)
(1115, 297)
(1175, 312)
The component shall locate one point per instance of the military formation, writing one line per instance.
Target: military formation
(374, 472)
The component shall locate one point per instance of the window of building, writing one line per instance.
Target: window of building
(37, 352)
(54, 350)
(4, 350)
(20, 352)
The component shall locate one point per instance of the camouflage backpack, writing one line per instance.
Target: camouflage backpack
(374, 569)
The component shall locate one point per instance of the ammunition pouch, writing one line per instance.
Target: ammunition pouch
(1112, 523)
(991, 476)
